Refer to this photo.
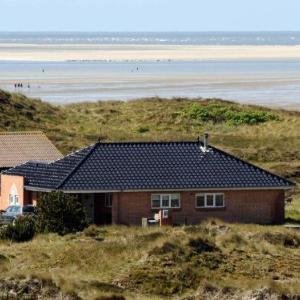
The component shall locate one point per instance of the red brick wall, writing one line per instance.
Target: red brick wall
(261, 206)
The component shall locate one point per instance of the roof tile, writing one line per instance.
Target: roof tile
(145, 166)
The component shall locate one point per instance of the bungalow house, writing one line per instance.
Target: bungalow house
(122, 183)
(19, 147)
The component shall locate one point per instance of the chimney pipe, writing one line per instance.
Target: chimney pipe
(205, 142)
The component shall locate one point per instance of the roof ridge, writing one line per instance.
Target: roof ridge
(78, 165)
(252, 165)
(149, 142)
(22, 132)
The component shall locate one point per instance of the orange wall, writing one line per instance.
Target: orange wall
(7, 182)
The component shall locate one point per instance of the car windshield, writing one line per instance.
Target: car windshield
(13, 209)
(28, 209)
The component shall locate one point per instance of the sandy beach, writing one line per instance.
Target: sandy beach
(88, 52)
(75, 72)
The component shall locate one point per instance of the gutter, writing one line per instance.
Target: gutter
(37, 189)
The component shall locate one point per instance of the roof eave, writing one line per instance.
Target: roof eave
(39, 189)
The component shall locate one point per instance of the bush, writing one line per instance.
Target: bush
(22, 230)
(142, 129)
(60, 213)
(200, 245)
(230, 114)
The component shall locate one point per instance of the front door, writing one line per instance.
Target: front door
(102, 209)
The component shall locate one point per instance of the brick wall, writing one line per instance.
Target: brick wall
(261, 206)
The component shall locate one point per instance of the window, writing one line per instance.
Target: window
(175, 201)
(219, 200)
(14, 209)
(13, 197)
(207, 200)
(165, 201)
(210, 200)
(155, 201)
(28, 209)
(108, 200)
(200, 200)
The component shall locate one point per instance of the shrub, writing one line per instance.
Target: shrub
(91, 231)
(289, 240)
(60, 213)
(230, 114)
(142, 129)
(200, 245)
(22, 230)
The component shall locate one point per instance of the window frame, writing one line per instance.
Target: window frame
(205, 200)
(169, 200)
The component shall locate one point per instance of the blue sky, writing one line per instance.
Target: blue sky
(149, 15)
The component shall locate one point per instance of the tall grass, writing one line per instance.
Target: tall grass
(214, 258)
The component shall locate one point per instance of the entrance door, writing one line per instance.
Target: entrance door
(102, 209)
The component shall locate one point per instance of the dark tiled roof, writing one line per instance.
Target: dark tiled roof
(19, 147)
(147, 166)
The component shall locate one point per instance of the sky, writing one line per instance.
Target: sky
(150, 15)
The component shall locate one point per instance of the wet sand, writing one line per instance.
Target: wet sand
(264, 75)
(80, 52)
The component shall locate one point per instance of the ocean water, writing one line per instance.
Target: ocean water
(265, 82)
(156, 38)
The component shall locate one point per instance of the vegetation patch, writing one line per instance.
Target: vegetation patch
(60, 213)
(230, 114)
(207, 261)
(32, 288)
(22, 229)
(289, 240)
(200, 244)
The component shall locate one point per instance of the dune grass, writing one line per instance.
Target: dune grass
(214, 259)
(255, 133)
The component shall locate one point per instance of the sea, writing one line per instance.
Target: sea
(262, 81)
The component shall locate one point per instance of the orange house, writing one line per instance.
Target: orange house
(17, 148)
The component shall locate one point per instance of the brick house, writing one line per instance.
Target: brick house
(122, 183)
(17, 148)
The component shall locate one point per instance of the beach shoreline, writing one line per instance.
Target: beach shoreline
(92, 52)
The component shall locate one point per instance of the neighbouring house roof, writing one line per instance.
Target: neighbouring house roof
(147, 166)
(19, 147)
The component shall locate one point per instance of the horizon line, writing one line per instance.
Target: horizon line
(148, 31)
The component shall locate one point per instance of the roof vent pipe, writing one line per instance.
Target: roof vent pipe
(205, 148)
(205, 142)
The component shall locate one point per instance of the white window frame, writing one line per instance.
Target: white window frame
(214, 200)
(169, 200)
(13, 197)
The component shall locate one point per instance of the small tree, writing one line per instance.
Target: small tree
(60, 213)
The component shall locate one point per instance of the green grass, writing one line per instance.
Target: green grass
(230, 114)
(293, 210)
(208, 260)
